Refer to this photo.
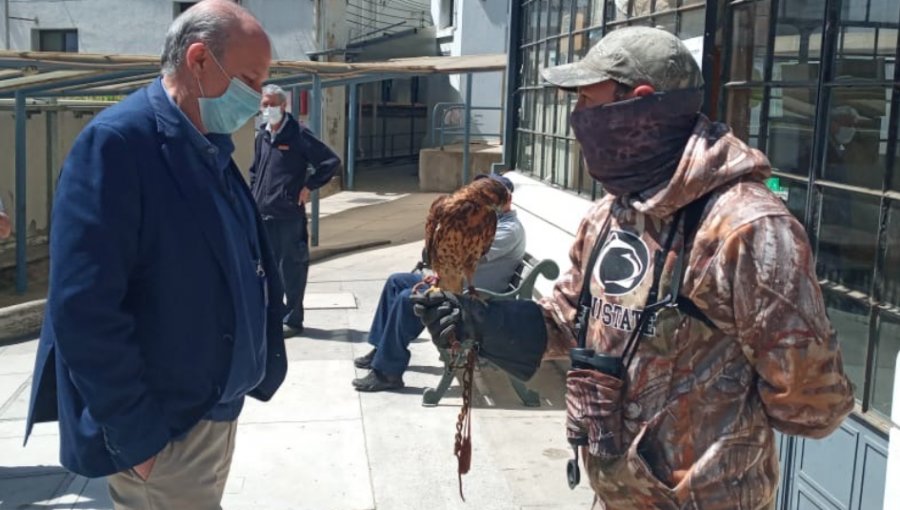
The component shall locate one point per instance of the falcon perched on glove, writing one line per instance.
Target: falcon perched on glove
(460, 229)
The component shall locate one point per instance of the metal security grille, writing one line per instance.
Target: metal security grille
(814, 84)
(554, 32)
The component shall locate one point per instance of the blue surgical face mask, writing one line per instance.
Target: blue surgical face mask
(227, 113)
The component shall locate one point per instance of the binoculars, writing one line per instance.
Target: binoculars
(587, 359)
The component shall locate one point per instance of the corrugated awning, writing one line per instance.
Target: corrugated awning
(47, 74)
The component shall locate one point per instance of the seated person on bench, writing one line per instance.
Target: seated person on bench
(395, 325)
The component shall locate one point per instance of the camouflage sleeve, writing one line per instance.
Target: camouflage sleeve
(561, 308)
(765, 274)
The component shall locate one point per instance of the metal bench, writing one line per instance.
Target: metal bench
(521, 286)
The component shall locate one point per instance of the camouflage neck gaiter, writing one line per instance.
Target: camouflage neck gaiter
(634, 145)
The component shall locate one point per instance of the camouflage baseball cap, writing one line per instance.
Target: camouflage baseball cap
(632, 56)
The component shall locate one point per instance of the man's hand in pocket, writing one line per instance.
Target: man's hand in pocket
(144, 468)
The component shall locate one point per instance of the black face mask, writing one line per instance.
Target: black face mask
(633, 145)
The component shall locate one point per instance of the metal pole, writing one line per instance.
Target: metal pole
(295, 102)
(52, 156)
(353, 119)
(6, 23)
(467, 128)
(21, 174)
(315, 124)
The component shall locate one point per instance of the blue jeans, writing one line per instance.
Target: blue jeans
(289, 246)
(395, 325)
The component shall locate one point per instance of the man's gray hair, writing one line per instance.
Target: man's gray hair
(274, 90)
(197, 24)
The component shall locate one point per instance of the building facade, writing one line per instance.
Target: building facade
(814, 84)
(138, 27)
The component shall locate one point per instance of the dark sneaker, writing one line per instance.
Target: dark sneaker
(365, 362)
(290, 331)
(376, 381)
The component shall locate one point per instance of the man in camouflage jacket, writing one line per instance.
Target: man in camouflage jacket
(704, 390)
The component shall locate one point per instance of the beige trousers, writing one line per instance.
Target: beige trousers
(189, 473)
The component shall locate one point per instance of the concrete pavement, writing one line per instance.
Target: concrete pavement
(319, 444)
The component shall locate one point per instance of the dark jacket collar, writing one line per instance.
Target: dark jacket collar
(290, 130)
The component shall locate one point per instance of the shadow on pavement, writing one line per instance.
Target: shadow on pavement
(353, 336)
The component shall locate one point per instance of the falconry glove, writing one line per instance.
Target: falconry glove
(509, 333)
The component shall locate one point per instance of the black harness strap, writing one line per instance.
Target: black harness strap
(692, 215)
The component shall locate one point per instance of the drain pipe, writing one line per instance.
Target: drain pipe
(512, 63)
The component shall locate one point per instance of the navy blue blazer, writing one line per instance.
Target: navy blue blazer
(137, 338)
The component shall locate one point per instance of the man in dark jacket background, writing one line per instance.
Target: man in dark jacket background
(281, 182)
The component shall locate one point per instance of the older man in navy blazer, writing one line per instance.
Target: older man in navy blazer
(164, 307)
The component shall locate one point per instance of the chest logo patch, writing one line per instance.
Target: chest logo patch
(622, 264)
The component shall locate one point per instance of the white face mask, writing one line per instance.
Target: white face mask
(272, 115)
(844, 135)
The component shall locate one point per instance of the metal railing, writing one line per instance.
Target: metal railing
(389, 145)
(449, 119)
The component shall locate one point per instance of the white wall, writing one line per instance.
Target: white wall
(551, 217)
(139, 26)
(479, 28)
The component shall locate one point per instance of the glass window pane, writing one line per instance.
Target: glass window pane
(848, 225)
(534, 30)
(692, 23)
(549, 109)
(524, 67)
(527, 26)
(857, 137)
(878, 11)
(564, 49)
(537, 157)
(539, 110)
(564, 161)
(560, 103)
(617, 10)
(583, 13)
(565, 20)
(553, 58)
(560, 160)
(890, 275)
(595, 36)
(581, 45)
(885, 360)
(598, 9)
(749, 41)
(641, 7)
(881, 12)
(854, 9)
(582, 177)
(666, 22)
(791, 113)
(798, 40)
(663, 5)
(525, 145)
(796, 197)
(526, 115)
(856, 58)
(743, 111)
(553, 18)
(850, 319)
(542, 22)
